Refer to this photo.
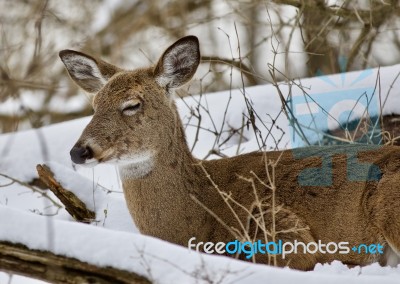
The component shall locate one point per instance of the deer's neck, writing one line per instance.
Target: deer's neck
(160, 200)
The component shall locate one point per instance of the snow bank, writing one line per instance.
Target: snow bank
(155, 259)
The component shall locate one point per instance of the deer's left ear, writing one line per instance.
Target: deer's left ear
(178, 63)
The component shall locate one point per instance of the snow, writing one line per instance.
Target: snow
(113, 240)
(110, 209)
(152, 257)
(16, 279)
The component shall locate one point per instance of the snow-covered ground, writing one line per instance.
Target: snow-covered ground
(113, 239)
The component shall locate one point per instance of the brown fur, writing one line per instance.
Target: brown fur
(166, 197)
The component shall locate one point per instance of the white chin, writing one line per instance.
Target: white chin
(89, 163)
(136, 166)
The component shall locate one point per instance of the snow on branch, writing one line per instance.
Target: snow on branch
(47, 266)
(72, 203)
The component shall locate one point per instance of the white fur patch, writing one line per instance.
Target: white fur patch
(130, 103)
(136, 166)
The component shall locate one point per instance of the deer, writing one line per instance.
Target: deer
(173, 196)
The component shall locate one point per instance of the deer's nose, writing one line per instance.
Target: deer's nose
(79, 154)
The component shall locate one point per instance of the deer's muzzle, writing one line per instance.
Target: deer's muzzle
(79, 154)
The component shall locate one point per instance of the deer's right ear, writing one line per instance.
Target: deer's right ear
(89, 73)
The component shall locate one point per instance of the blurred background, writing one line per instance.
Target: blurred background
(242, 41)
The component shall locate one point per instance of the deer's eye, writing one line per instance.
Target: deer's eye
(131, 108)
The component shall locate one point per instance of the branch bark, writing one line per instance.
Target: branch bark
(72, 203)
(251, 77)
(47, 266)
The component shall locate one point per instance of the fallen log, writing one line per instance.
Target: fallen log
(47, 266)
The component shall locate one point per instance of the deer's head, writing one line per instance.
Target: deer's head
(133, 110)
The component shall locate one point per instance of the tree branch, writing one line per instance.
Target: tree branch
(72, 203)
(365, 15)
(47, 266)
(240, 66)
(31, 187)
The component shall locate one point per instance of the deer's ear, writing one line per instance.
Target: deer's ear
(178, 63)
(89, 73)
